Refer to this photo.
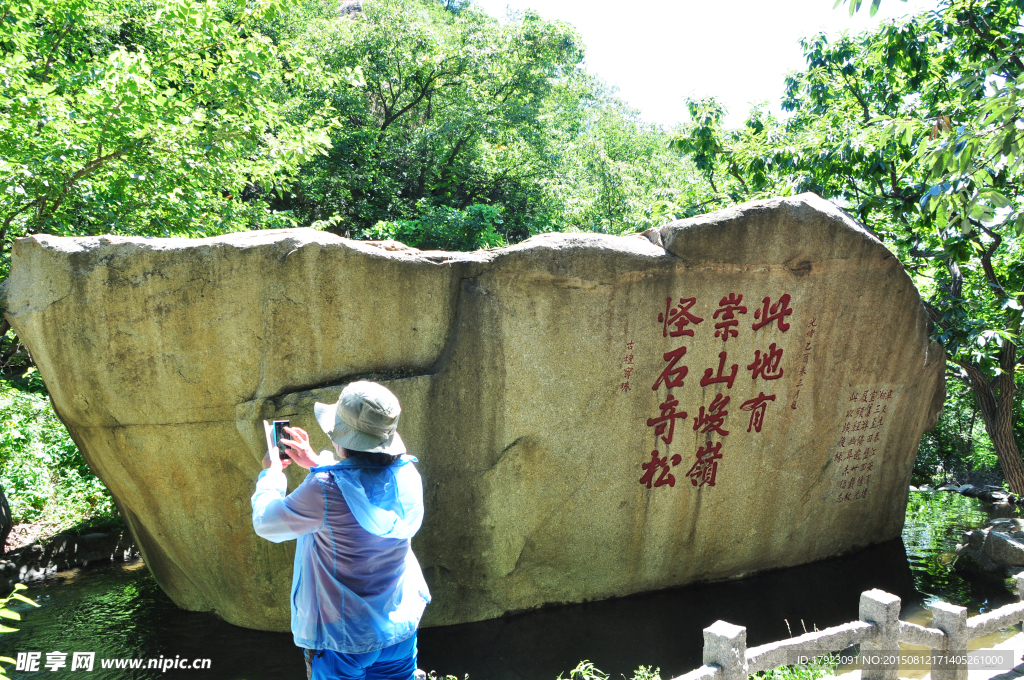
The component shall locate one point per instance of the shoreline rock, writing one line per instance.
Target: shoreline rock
(987, 493)
(66, 550)
(995, 551)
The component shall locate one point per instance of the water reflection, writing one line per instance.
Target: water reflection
(663, 629)
(120, 612)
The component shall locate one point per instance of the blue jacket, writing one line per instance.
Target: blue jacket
(356, 585)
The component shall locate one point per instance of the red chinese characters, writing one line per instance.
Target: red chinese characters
(627, 367)
(659, 465)
(769, 312)
(709, 377)
(705, 469)
(767, 365)
(757, 407)
(672, 376)
(665, 424)
(680, 318)
(806, 358)
(728, 308)
(713, 418)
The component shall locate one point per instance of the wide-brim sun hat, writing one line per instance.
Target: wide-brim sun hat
(365, 418)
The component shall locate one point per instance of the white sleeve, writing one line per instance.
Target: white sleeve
(279, 518)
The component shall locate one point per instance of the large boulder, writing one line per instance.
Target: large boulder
(571, 449)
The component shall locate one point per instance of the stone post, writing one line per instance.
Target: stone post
(1019, 578)
(883, 610)
(952, 621)
(725, 646)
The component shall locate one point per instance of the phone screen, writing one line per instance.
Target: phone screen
(280, 434)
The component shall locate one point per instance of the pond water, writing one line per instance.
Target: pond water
(120, 612)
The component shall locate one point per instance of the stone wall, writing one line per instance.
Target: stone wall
(536, 381)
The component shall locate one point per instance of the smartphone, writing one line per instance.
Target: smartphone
(280, 434)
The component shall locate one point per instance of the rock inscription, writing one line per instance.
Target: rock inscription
(591, 413)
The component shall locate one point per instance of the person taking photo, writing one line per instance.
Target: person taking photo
(357, 590)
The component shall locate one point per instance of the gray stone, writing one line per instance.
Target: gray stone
(1006, 524)
(525, 376)
(725, 646)
(970, 491)
(951, 620)
(883, 610)
(1002, 549)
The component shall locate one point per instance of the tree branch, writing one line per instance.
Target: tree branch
(988, 41)
(986, 258)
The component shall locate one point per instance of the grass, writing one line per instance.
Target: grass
(817, 668)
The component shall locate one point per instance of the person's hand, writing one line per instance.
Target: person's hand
(299, 449)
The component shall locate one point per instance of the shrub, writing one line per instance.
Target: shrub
(42, 472)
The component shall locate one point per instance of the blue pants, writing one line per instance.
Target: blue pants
(397, 662)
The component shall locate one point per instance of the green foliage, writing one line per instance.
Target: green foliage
(585, 670)
(448, 111)
(958, 449)
(818, 667)
(461, 121)
(143, 118)
(614, 173)
(43, 474)
(444, 228)
(153, 118)
(6, 613)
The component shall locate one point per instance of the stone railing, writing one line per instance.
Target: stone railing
(878, 632)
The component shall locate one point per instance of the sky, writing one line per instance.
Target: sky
(658, 52)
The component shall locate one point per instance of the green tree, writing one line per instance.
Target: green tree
(146, 118)
(915, 128)
(448, 113)
(468, 132)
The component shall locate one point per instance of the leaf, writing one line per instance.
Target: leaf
(995, 197)
(8, 614)
(1018, 225)
(22, 598)
(942, 215)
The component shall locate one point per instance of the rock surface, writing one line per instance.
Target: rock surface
(536, 381)
(995, 551)
(66, 550)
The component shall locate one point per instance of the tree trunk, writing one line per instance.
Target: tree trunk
(1009, 455)
(995, 401)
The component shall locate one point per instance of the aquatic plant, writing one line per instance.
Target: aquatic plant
(6, 613)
